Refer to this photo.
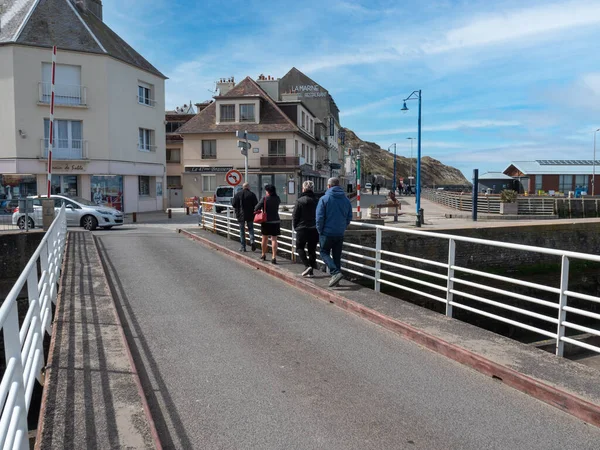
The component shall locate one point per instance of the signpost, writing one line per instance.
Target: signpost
(245, 146)
(233, 177)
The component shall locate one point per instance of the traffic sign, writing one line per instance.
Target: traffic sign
(233, 177)
(335, 166)
(245, 135)
(244, 145)
(244, 152)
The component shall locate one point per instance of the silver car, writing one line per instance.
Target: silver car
(80, 213)
(224, 195)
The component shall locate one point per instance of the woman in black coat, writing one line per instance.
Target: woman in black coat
(272, 227)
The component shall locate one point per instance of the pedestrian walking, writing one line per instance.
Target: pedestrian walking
(334, 214)
(244, 202)
(272, 227)
(372, 188)
(378, 187)
(305, 224)
(400, 188)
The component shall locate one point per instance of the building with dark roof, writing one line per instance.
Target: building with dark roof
(109, 107)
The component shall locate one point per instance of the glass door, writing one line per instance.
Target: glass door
(65, 185)
(263, 180)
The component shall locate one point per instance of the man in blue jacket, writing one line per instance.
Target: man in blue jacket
(334, 214)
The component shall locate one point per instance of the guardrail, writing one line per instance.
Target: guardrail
(23, 345)
(447, 281)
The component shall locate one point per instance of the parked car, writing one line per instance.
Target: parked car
(224, 195)
(80, 213)
(368, 186)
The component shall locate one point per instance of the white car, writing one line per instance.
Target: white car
(80, 213)
(368, 186)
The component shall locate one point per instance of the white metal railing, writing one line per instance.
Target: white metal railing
(64, 94)
(24, 345)
(146, 147)
(447, 281)
(146, 101)
(66, 149)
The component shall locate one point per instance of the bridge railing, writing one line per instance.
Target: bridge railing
(23, 344)
(555, 312)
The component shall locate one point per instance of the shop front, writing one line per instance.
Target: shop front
(108, 190)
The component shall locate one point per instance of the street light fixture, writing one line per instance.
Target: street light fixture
(416, 95)
(594, 165)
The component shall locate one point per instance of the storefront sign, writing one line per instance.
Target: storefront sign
(205, 169)
(308, 91)
(69, 167)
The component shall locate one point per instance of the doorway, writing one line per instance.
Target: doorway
(65, 185)
(263, 180)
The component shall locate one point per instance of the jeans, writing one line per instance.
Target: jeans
(308, 237)
(250, 225)
(332, 245)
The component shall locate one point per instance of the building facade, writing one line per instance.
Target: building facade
(555, 176)
(109, 133)
(286, 149)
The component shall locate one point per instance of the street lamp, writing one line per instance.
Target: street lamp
(394, 180)
(411, 153)
(416, 95)
(594, 165)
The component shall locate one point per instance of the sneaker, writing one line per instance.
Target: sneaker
(336, 279)
(308, 272)
(253, 244)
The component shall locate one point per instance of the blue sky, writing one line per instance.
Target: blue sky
(501, 80)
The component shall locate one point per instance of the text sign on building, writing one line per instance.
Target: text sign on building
(308, 91)
(206, 169)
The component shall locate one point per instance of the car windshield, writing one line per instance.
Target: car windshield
(225, 192)
(83, 201)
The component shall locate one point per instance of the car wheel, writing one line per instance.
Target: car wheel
(21, 223)
(89, 223)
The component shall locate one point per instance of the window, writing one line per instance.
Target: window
(173, 155)
(68, 143)
(296, 148)
(209, 149)
(172, 127)
(68, 90)
(174, 181)
(565, 183)
(143, 186)
(209, 183)
(538, 183)
(247, 113)
(311, 126)
(227, 113)
(145, 94)
(146, 140)
(581, 181)
(276, 147)
(303, 120)
(303, 150)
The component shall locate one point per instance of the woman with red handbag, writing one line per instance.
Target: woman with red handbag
(267, 214)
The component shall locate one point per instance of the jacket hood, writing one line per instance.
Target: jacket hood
(336, 191)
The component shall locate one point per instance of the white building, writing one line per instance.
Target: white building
(109, 141)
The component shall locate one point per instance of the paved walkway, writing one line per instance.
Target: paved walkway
(91, 399)
(231, 357)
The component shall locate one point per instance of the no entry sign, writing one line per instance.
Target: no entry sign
(233, 177)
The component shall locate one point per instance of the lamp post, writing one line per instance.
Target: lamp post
(394, 181)
(594, 165)
(411, 153)
(416, 95)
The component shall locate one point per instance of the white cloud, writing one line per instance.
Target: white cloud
(369, 106)
(448, 126)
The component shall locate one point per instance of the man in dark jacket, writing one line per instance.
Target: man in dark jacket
(334, 214)
(244, 202)
(305, 225)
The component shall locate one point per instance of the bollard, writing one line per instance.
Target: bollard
(187, 210)
(134, 217)
(169, 213)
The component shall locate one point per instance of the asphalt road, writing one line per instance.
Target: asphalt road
(231, 358)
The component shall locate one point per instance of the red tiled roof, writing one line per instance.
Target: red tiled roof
(272, 118)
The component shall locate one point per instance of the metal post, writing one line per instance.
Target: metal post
(246, 158)
(394, 181)
(450, 284)
(562, 314)
(475, 193)
(358, 213)
(293, 245)
(418, 190)
(229, 225)
(594, 165)
(377, 259)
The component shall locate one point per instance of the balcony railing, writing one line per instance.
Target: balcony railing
(146, 101)
(280, 161)
(146, 148)
(65, 149)
(64, 94)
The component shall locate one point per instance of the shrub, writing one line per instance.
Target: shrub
(508, 196)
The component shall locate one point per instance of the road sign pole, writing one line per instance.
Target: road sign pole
(246, 158)
(358, 186)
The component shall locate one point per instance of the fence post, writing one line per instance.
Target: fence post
(450, 283)
(229, 224)
(202, 207)
(12, 351)
(562, 314)
(293, 244)
(34, 296)
(377, 259)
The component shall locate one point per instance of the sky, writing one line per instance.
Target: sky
(501, 81)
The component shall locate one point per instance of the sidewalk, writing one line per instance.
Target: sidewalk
(565, 384)
(92, 395)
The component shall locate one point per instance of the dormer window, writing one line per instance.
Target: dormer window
(227, 113)
(247, 113)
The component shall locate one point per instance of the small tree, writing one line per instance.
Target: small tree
(508, 196)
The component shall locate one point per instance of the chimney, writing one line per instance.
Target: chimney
(224, 85)
(90, 6)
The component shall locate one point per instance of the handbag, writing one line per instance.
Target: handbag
(261, 216)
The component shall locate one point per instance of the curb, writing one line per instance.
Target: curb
(134, 372)
(566, 402)
(49, 374)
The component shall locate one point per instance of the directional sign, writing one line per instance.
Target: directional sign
(245, 135)
(242, 144)
(335, 166)
(244, 152)
(233, 177)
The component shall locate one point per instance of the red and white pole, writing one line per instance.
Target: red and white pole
(51, 131)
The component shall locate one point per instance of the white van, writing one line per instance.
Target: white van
(224, 194)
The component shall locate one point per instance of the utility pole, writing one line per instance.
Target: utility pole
(358, 213)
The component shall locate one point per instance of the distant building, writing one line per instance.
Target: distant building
(553, 175)
(496, 182)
